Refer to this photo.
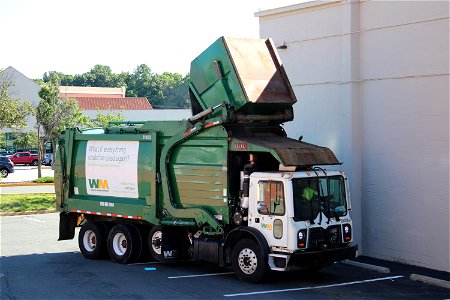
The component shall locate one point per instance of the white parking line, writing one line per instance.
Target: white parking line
(200, 275)
(313, 287)
(33, 219)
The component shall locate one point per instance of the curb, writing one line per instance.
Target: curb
(430, 280)
(20, 213)
(367, 266)
(24, 184)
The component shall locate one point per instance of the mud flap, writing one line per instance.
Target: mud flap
(175, 245)
(67, 224)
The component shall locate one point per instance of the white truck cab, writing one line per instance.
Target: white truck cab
(304, 216)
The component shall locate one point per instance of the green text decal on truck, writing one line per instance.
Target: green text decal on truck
(226, 187)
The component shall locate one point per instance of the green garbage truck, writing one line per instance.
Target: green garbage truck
(226, 186)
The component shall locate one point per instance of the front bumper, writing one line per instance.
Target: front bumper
(307, 259)
(323, 257)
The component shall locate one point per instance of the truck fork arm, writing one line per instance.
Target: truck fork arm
(200, 215)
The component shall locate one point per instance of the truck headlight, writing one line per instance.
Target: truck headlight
(301, 238)
(347, 233)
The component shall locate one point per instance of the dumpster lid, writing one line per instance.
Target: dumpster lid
(290, 152)
(247, 74)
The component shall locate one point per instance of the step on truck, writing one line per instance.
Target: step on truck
(226, 186)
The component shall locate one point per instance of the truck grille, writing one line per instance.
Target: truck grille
(320, 238)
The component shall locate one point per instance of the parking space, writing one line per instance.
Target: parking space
(35, 266)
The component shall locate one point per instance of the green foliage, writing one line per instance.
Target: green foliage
(45, 179)
(27, 202)
(167, 90)
(102, 120)
(2, 139)
(25, 140)
(55, 115)
(13, 112)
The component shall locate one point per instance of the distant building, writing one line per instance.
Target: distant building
(26, 89)
(94, 100)
(92, 92)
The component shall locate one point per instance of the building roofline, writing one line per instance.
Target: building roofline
(17, 71)
(290, 8)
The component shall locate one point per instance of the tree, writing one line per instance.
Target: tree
(171, 90)
(139, 83)
(102, 120)
(167, 90)
(25, 140)
(2, 139)
(13, 112)
(53, 115)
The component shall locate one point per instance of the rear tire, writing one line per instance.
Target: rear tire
(248, 261)
(92, 240)
(124, 244)
(4, 173)
(155, 243)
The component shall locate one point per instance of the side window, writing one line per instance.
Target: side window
(271, 198)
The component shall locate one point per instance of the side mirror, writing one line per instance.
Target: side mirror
(261, 205)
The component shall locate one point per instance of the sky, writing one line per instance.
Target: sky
(71, 36)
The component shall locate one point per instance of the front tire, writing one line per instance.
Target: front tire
(248, 261)
(92, 240)
(124, 244)
(34, 163)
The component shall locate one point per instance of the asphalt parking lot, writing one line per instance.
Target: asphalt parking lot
(26, 174)
(34, 265)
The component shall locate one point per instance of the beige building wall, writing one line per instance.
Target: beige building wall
(372, 78)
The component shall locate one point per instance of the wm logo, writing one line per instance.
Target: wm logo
(98, 184)
(266, 226)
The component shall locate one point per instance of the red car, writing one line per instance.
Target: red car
(24, 158)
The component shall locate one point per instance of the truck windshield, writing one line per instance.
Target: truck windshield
(313, 195)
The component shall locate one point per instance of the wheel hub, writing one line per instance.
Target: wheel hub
(248, 261)
(89, 240)
(119, 244)
(156, 242)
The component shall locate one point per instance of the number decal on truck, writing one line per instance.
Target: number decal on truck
(240, 146)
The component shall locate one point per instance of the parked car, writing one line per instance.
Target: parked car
(24, 158)
(48, 159)
(6, 166)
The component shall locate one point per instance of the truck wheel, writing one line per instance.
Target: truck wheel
(124, 244)
(4, 173)
(155, 243)
(248, 261)
(34, 163)
(92, 240)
